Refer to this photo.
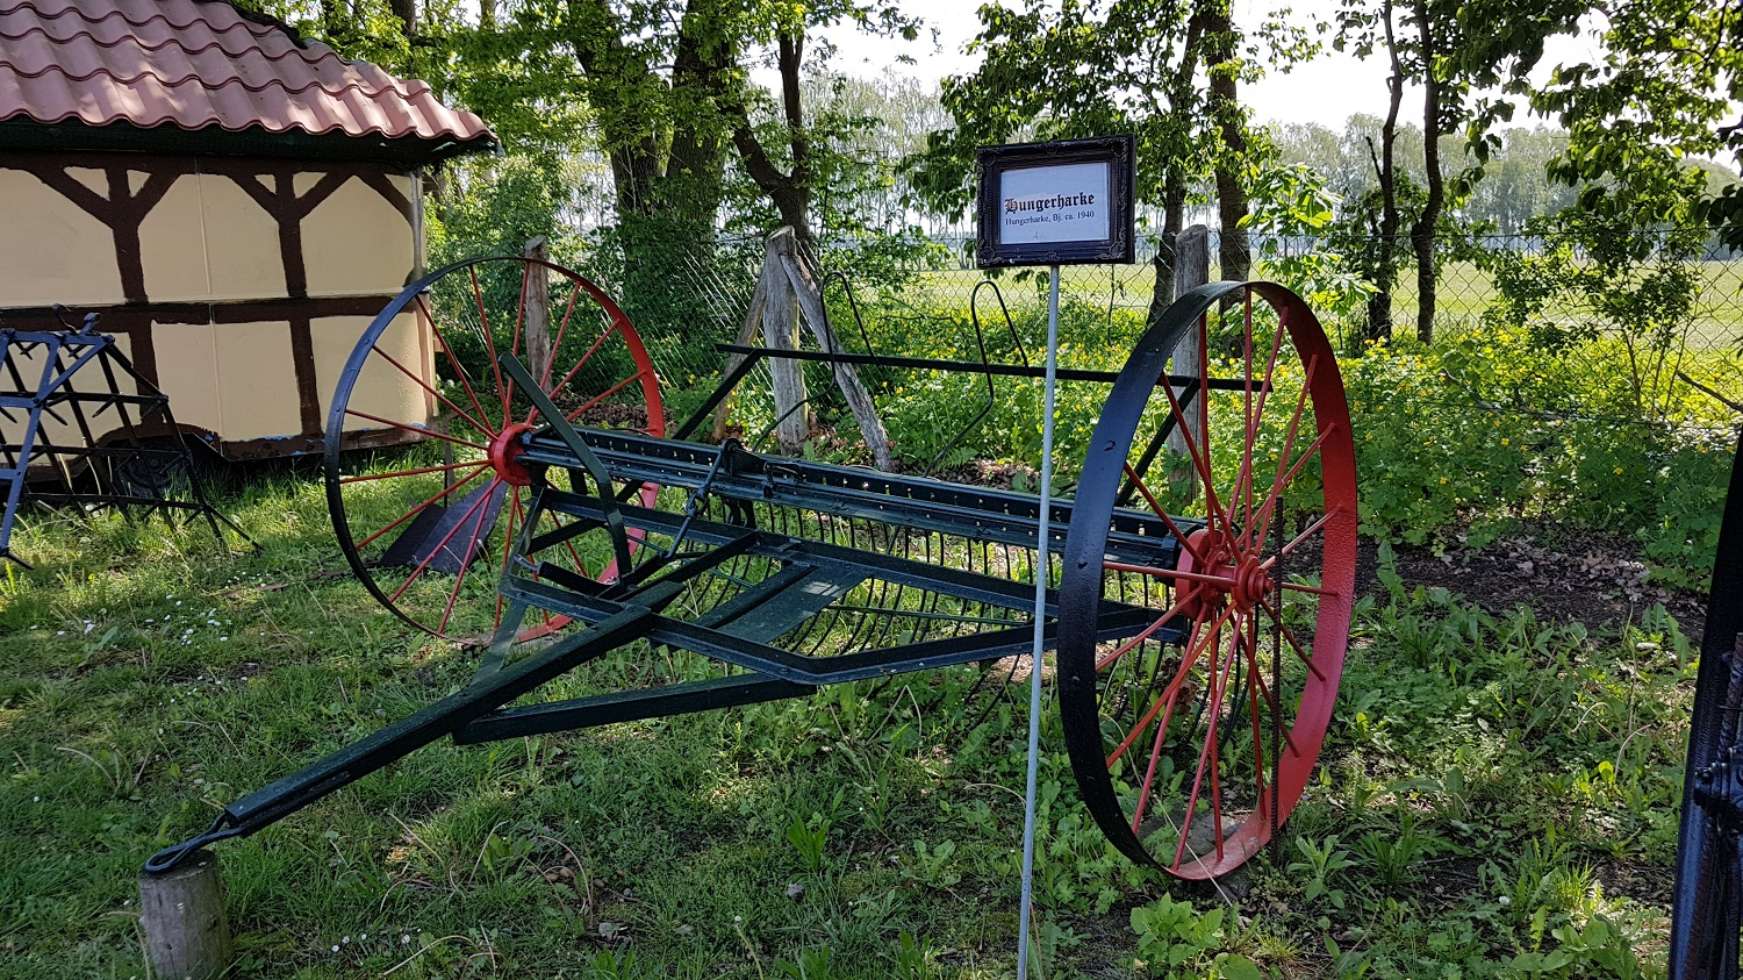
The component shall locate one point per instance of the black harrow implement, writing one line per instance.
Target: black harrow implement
(81, 429)
(549, 508)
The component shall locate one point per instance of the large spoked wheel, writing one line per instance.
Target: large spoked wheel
(428, 524)
(1193, 739)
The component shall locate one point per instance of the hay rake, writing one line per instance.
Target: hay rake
(1196, 658)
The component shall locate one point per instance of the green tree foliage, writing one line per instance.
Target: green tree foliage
(1639, 118)
(1084, 69)
(1164, 70)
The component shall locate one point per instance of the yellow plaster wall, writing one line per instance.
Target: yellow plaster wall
(356, 243)
(187, 363)
(257, 397)
(382, 391)
(242, 242)
(207, 240)
(172, 246)
(50, 250)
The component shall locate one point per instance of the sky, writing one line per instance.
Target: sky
(1326, 90)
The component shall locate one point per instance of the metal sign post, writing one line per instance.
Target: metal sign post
(1026, 904)
(1050, 204)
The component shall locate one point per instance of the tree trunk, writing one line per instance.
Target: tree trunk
(1422, 232)
(790, 192)
(1234, 253)
(1386, 264)
(407, 12)
(1167, 248)
(667, 166)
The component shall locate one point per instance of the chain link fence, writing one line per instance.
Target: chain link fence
(1658, 342)
(1597, 392)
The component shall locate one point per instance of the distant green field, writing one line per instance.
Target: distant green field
(1464, 292)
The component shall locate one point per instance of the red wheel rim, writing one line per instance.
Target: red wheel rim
(416, 529)
(1194, 739)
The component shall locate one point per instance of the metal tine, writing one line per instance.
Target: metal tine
(991, 388)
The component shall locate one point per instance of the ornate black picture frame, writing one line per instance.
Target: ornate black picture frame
(1115, 243)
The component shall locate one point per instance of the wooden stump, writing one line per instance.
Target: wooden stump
(182, 912)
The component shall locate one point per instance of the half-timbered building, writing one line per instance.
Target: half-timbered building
(235, 201)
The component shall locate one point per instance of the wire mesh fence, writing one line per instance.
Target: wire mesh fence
(1521, 324)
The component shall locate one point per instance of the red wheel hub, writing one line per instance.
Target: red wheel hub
(505, 451)
(1223, 573)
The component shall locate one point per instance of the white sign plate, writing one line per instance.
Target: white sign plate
(1067, 202)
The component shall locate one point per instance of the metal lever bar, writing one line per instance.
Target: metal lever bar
(970, 367)
(559, 424)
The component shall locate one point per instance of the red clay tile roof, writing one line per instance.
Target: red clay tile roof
(201, 63)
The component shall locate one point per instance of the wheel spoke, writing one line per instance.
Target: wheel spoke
(1298, 539)
(586, 355)
(1244, 481)
(607, 393)
(1148, 786)
(1289, 636)
(441, 338)
(1206, 753)
(520, 313)
(1269, 509)
(489, 339)
(457, 410)
(1216, 580)
(1174, 529)
(1202, 464)
(507, 547)
(1247, 536)
(1147, 632)
(1168, 693)
(568, 545)
(1150, 768)
(418, 429)
(472, 545)
(562, 329)
(443, 544)
(427, 501)
(1247, 408)
(366, 477)
(1277, 714)
(1249, 638)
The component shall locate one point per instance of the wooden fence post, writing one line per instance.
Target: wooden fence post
(1191, 270)
(538, 309)
(859, 401)
(781, 332)
(788, 294)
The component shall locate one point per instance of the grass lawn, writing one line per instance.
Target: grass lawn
(1497, 796)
